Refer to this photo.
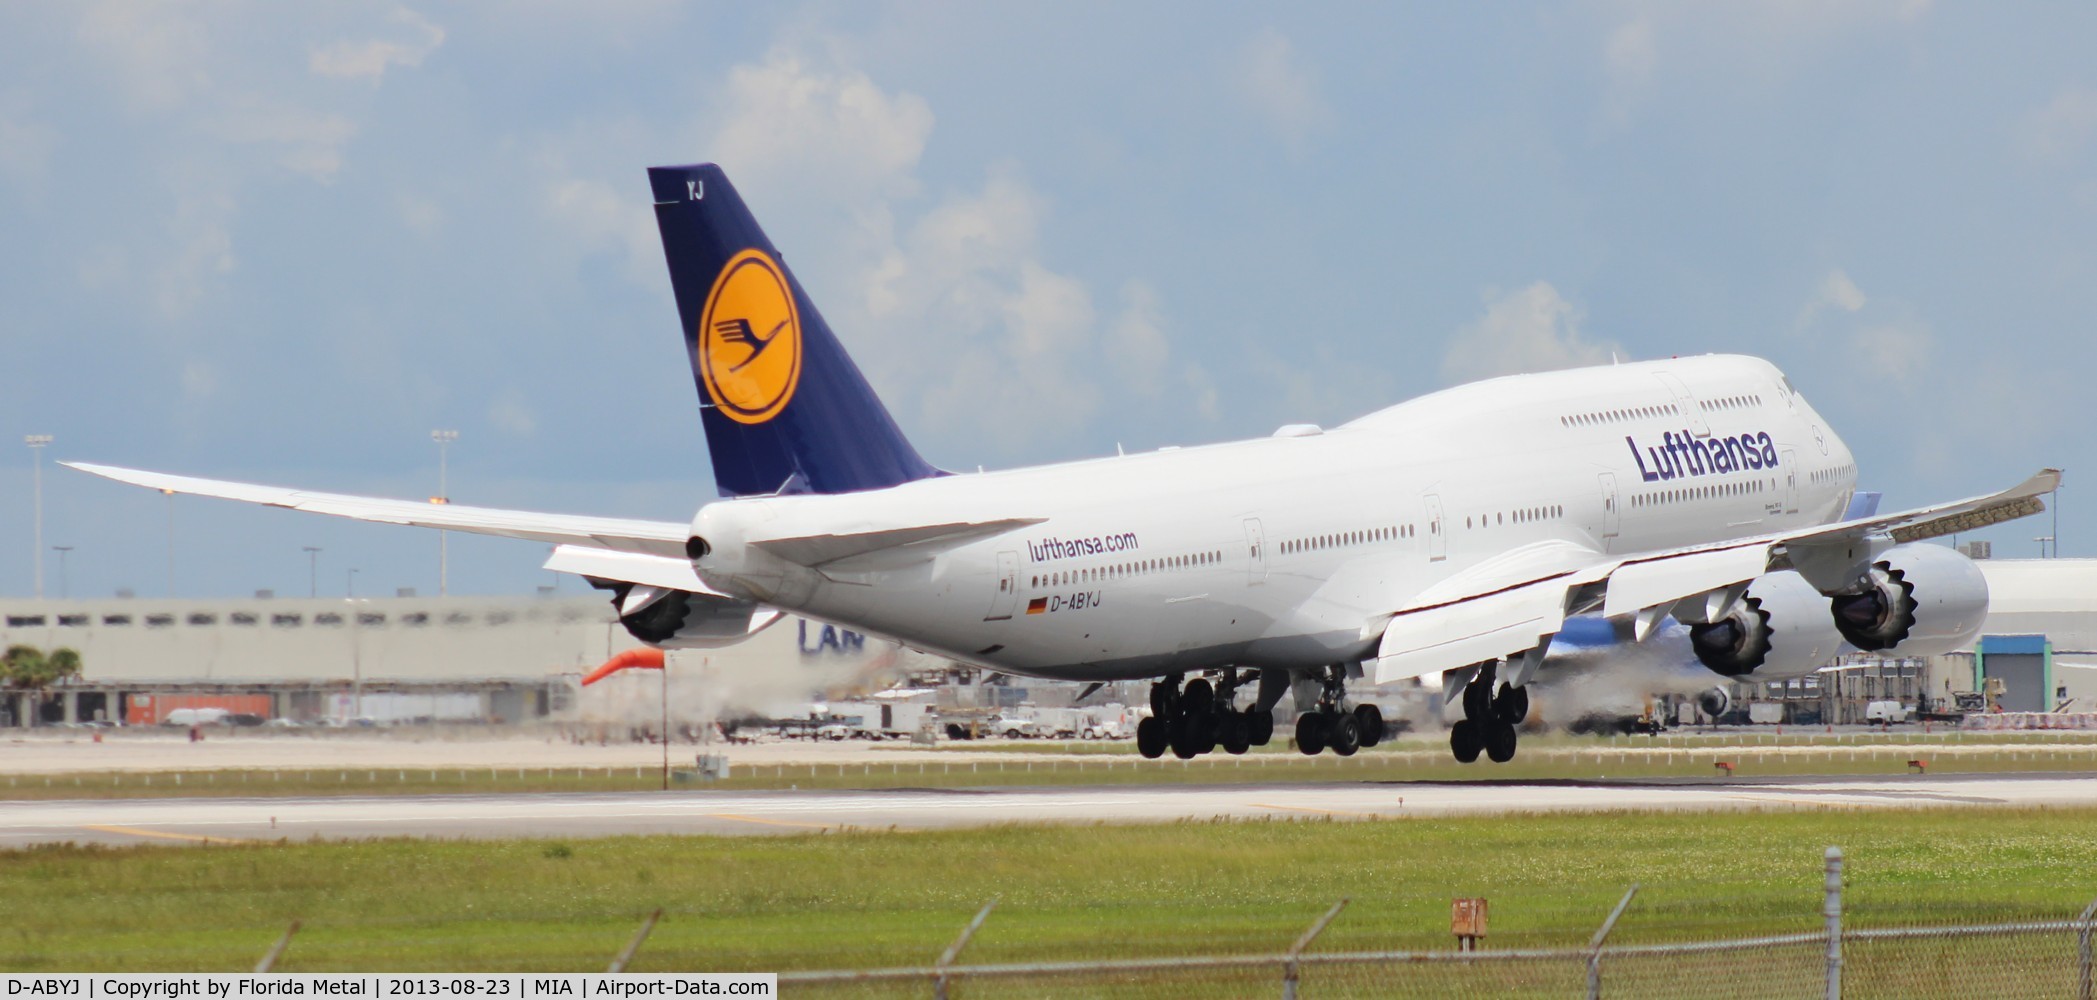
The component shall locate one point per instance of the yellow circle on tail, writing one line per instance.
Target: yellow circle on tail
(749, 339)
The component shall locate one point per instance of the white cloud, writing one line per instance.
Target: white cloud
(801, 125)
(306, 142)
(1900, 351)
(2059, 131)
(1838, 291)
(600, 217)
(1531, 330)
(1629, 55)
(1277, 87)
(415, 39)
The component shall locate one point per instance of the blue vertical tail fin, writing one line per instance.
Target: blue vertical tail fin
(785, 409)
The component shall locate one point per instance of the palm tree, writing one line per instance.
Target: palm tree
(23, 667)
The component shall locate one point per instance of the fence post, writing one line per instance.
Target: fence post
(270, 959)
(1296, 950)
(1832, 909)
(946, 958)
(2082, 936)
(1594, 947)
(626, 954)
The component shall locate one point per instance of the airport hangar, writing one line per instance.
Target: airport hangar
(521, 659)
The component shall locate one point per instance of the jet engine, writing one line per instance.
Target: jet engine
(680, 619)
(1921, 600)
(1780, 629)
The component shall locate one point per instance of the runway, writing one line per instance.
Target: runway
(242, 820)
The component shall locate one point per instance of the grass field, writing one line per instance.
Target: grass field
(1409, 761)
(869, 899)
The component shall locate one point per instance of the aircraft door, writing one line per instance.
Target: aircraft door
(1612, 514)
(1256, 551)
(1008, 587)
(1790, 481)
(1686, 401)
(1437, 538)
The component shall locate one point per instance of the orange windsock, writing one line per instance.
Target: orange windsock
(643, 658)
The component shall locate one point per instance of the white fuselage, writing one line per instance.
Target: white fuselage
(1283, 551)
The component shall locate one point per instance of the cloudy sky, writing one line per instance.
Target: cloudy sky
(283, 242)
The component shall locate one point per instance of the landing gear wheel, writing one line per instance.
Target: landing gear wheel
(1208, 731)
(1478, 698)
(1186, 737)
(1198, 696)
(1310, 733)
(1235, 738)
(1162, 696)
(1500, 741)
(1512, 706)
(1465, 741)
(1150, 737)
(1259, 727)
(1369, 720)
(1346, 734)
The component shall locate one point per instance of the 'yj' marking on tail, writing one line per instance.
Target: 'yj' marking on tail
(785, 410)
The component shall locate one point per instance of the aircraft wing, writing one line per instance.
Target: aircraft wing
(655, 538)
(1509, 606)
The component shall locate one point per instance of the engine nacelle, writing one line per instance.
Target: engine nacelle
(680, 619)
(1715, 702)
(1780, 629)
(1921, 600)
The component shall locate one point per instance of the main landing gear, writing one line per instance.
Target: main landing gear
(1489, 720)
(1333, 726)
(1198, 718)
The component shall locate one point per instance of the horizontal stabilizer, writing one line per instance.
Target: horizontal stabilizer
(822, 550)
(658, 537)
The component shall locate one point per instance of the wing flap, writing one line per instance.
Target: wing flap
(665, 538)
(1635, 586)
(1458, 634)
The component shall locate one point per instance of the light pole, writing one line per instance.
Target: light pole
(2043, 540)
(36, 443)
(350, 589)
(313, 569)
(65, 589)
(170, 542)
(444, 440)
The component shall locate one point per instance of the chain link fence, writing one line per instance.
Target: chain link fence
(2037, 958)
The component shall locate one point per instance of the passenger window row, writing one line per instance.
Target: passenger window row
(1746, 488)
(1119, 571)
(1618, 416)
(1343, 539)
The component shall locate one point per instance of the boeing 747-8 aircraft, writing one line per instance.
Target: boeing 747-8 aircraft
(1455, 533)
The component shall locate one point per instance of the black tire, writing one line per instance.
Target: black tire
(1369, 720)
(1512, 707)
(1236, 738)
(1478, 700)
(1500, 742)
(1162, 697)
(1208, 731)
(956, 732)
(1186, 738)
(1151, 738)
(1310, 733)
(1465, 741)
(1198, 697)
(1346, 734)
(1259, 727)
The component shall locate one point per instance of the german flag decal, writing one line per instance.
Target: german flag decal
(1037, 606)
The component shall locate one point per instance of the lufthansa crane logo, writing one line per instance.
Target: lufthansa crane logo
(750, 339)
